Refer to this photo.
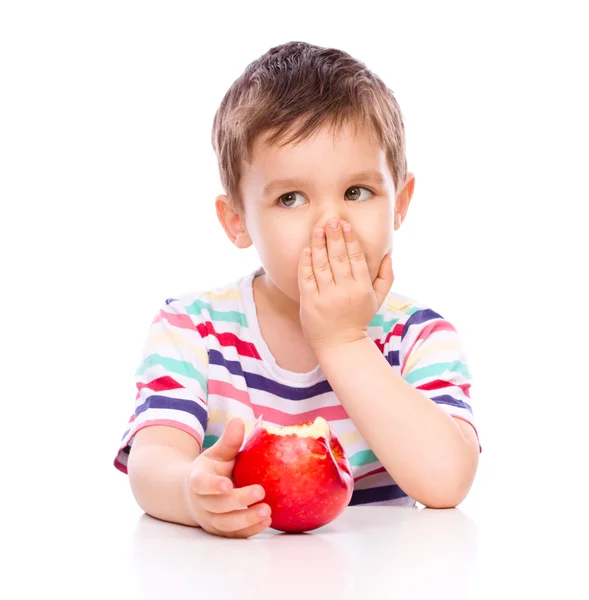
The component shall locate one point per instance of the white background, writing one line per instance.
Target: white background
(107, 188)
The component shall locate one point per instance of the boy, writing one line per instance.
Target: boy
(306, 139)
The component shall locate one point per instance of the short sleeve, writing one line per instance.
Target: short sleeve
(171, 378)
(433, 359)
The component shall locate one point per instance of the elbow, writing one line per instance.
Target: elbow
(448, 492)
(442, 500)
(449, 497)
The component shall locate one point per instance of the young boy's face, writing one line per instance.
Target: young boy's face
(325, 182)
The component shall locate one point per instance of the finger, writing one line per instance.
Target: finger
(337, 252)
(229, 444)
(210, 484)
(358, 264)
(235, 500)
(250, 531)
(306, 275)
(240, 519)
(320, 260)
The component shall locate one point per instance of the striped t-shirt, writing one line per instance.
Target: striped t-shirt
(205, 361)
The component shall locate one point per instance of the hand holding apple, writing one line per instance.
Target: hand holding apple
(303, 470)
(211, 499)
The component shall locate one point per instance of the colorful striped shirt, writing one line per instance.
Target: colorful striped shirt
(205, 361)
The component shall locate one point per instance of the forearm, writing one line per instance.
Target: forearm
(419, 444)
(157, 474)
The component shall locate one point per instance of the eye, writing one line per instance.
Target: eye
(289, 199)
(356, 194)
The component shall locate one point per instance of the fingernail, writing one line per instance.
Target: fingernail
(258, 494)
(333, 224)
(347, 229)
(264, 511)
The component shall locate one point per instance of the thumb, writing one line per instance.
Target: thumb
(384, 280)
(228, 445)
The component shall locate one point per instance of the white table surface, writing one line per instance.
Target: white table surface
(106, 547)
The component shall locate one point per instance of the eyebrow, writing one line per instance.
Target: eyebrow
(369, 176)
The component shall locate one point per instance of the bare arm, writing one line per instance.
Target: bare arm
(173, 481)
(159, 463)
(432, 456)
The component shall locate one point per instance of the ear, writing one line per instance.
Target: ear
(403, 200)
(232, 221)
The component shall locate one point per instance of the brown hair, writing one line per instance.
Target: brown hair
(298, 87)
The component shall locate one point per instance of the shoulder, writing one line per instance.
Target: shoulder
(403, 319)
(402, 306)
(208, 304)
(400, 311)
(424, 337)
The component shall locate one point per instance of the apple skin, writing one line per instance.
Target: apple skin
(308, 481)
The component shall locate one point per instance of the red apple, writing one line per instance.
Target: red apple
(303, 469)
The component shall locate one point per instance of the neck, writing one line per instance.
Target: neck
(267, 295)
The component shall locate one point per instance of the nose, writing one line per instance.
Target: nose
(326, 220)
(332, 211)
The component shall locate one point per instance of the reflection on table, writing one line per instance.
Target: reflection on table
(379, 551)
